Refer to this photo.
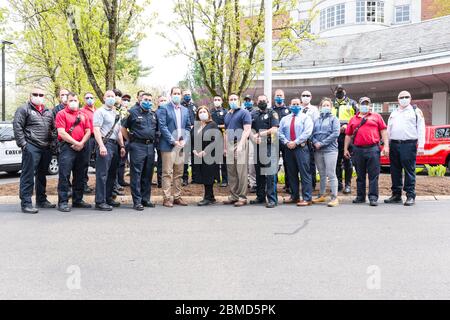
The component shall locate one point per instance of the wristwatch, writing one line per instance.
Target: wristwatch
(122, 147)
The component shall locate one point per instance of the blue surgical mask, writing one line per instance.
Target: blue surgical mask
(279, 100)
(89, 101)
(295, 109)
(234, 105)
(176, 99)
(146, 105)
(187, 98)
(325, 110)
(110, 102)
(364, 108)
(248, 104)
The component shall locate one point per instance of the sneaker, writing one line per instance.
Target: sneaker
(347, 190)
(333, 203)
(319, 199)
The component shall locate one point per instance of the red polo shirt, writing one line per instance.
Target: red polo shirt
(90, 115)
(369, 132)
(66, 118)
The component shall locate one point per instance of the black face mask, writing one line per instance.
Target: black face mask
(262, 105)
(340, 94)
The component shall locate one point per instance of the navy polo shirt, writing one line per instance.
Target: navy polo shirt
(234, 123)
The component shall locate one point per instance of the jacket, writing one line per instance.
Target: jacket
(326, 131)
(168, 126)
(31, 126)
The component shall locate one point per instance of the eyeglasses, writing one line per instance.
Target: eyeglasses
(127, 100)
(405, 97)
(37, 95)
(89, 98)
(306, 95)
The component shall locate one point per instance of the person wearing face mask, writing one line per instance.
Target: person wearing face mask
(406, 130)
(238, 123)
(295, 130)
(324, 140)
(162, 102)
(74, 131)
(88, 110)
(33, 125)
(63, 96)
(248, 105)
(204, 148)
(118, 190)
(312, 111)
(218, 116)
(280, 108)
(192, 108)
(364, 132)
(140, 128)
(110, 148)
(175, 126)
(265, 125)
(139, 98)
(344, 109)
(125, 103)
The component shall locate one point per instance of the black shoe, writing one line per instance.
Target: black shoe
(88, 190)
(81, 204)
(394, 199)
(185, 183)
(113, 203)
(340, 187)
(257, 201)
(64, 207)
(271, 205)
(409, 202)
(46, 205)
(159, 186)
(373, 203)
(347, 190)
(204, 202)
(118, 193)
(224, 184)
(148, 204)
(103, 207)
(359, 200)
(30, 210)
(138, 207)
(124, 184)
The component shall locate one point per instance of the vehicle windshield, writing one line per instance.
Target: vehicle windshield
(6, 133)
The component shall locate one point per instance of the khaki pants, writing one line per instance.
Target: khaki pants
(172, 171)
(237, 167)
(251, 165)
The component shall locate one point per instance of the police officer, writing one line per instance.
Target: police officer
(295, 130)
(248, 105)
(33, 125)
(406, 130)
(74, 131)
(218, 115)
(344, 109)
(192, 108)
(139, 128)
(282, 110)
(125, 103)
(265, 125)
(311, 111)
(109, 140)
(366, 130)
(118, 190)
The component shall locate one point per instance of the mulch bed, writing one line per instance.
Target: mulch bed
(425, 186)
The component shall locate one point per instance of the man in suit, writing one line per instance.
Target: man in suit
(174, 126)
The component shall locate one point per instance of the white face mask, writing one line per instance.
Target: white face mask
(306, 100)
(404, 102)
(37, 101)
(73, 105)
(203, 116)
(217, 104)
(125, 104)
(64, 99)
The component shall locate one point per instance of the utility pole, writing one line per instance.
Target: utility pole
(268, 50)
(4, 43)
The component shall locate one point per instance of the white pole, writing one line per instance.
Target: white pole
(268, 50)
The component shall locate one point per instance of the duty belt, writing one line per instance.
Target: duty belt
(144, 141)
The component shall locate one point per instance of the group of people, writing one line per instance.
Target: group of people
(234, 147)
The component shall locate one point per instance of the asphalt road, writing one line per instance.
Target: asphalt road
(219, 252)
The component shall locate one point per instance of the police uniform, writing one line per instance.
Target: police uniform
(192, 108)
(406, 129)
(283, 111)
(218, 116)
(266, 185)
(344, 110)
(142, 126)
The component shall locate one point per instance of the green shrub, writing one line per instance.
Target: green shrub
(436, 171)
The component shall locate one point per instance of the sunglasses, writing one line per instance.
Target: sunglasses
(37, 95)
(306, 95)
(89, 98)
(127, 100)
(295, 105)
(405, 97)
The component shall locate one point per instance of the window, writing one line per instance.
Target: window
(402, 14)
(442, 133)
(369, 11)
(377, 107)
(392, 107)
(332, 16)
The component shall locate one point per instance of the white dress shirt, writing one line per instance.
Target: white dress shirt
(402, 125)
(177, 110)
(312, 111)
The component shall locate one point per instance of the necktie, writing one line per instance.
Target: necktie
(292, 133)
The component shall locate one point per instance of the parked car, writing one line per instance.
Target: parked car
(11, 154)
(437, 147)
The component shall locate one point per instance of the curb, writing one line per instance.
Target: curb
(194, 199)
